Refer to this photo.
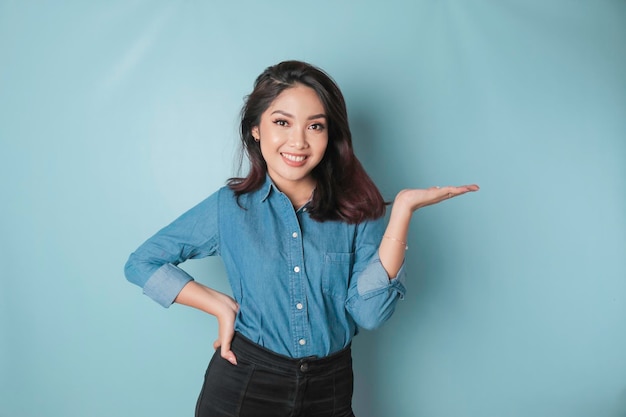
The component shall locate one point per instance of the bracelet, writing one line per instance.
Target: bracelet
(397, 240)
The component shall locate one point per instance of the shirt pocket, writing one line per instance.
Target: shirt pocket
(336, 274)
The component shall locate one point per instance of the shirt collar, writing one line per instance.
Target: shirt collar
(266, 188)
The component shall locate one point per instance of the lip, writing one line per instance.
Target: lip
(293, 160)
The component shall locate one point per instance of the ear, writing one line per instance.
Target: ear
(255, 133)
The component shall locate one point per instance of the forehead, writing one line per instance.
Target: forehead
(298, 99)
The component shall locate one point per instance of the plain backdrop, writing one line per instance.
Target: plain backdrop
(117, 116)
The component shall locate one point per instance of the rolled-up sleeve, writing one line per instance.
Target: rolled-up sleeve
(372, 295)
(154, 265)
(165, 284)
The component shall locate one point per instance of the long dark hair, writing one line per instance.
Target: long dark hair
(344, 191)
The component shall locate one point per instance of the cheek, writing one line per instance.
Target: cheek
(264, 150)
(323, 146)
(272, 137)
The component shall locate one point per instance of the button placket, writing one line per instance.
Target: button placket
(300, 324)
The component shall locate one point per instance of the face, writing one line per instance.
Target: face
(293, 137)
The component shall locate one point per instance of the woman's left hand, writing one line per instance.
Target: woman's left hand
(393, 244)
(415, 198)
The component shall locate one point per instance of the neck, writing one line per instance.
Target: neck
(300, 198)
(299, 194)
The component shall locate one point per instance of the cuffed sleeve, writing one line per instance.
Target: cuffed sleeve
(375, 298)
(372, 295)
(154, 265)
(374, 280)
(165, 284)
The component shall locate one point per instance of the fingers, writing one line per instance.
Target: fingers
(225, 351)
(467, 188)
(453, 191)
(226, 333)
(228, 354)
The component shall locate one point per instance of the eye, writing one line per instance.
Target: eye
(280, 122)
(317, 126)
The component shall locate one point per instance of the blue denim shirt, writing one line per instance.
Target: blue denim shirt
(303, 286)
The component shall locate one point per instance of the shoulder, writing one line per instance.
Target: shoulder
(230, 203)
(372, 229)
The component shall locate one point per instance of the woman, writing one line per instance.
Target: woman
(304, 243)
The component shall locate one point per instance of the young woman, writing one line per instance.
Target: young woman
(307, 253)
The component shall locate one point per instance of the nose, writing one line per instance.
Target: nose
(297, 139)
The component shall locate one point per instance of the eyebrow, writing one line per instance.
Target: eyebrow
(313, 117)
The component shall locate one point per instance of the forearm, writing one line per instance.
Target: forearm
(392, 247)
(204, 298)
(393, 244)
(218, 304)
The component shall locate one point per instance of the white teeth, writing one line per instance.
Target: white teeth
(294, 158)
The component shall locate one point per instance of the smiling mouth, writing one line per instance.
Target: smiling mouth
(293, 158)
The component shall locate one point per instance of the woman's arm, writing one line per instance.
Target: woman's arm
(393, 244)
(223, 307)
(154, 267)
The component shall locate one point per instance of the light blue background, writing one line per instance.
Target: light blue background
(117, 116)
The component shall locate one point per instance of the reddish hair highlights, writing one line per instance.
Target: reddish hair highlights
(344, 191)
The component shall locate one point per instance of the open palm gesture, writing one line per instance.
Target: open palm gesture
(415, 198)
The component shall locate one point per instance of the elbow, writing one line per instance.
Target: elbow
(369, 324)
(138, 269)
(372, 310)
(130, 271)
(373, 321)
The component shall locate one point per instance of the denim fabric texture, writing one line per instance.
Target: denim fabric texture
(304, 287)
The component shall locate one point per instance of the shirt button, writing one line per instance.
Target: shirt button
(304, 209)
(302, 342)
(299, 306)
(294, 234)
(296, 269)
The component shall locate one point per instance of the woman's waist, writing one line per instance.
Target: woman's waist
(293, 338)
(248, 351)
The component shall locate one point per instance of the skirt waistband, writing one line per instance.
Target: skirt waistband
(248, 351)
